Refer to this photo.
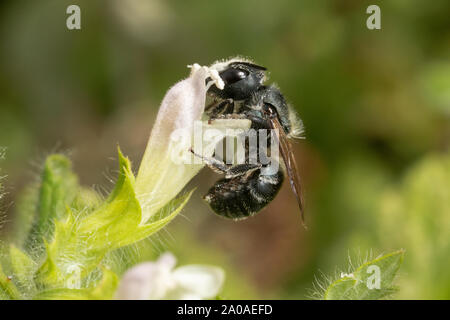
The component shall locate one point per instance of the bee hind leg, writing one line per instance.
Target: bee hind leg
(241, 169)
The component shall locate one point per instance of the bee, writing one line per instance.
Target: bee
(247, 188)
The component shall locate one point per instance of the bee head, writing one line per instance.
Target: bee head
(241, 78)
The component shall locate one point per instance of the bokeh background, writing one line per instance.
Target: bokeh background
(375, 104)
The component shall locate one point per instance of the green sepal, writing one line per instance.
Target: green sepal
(83, 241)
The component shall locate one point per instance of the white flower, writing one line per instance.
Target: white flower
(160, 178)
(159, 280)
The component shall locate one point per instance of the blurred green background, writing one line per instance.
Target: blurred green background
(375, 104)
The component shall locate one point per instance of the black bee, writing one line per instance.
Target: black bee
(249, 187)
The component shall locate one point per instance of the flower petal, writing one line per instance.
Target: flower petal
(164, 170)
(202, 281)
(148, 281)
(160, 179)
(167, 260)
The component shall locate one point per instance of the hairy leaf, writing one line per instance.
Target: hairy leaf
(58, 189)
(82, 241)
(23, 266)
(372, 280)
(7, 288)
(104, 290)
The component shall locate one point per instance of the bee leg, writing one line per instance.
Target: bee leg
(229, 171)
(229, 116)
(258, 122)
(216, 165)
(241, 169)
(217, 109)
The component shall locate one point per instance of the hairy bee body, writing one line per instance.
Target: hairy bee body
(244, 196)
(247, 189)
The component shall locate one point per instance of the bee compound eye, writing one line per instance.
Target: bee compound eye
(233, 75)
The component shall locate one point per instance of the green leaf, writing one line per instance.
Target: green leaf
(58, 189)
(83, 241)
(372, 280)
(104, 290)
(64, 294)
(25, 214)
(7, 288)
(23, 266)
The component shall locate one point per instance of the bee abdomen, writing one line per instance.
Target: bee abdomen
(241, 197)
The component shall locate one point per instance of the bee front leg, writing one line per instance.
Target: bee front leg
(229, 171)
(228, 116)
(216, 110)
(215, 165)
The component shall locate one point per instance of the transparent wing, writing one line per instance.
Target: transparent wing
(289, 161)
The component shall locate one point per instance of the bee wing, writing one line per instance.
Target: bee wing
(289, 160)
